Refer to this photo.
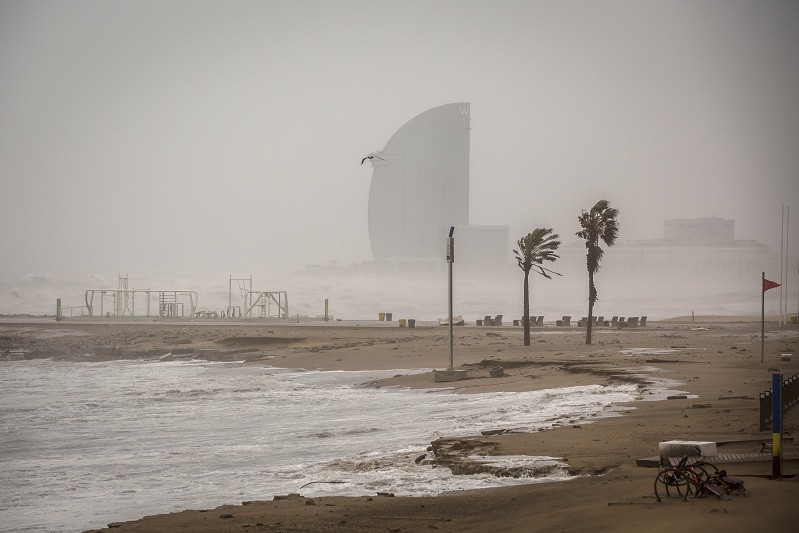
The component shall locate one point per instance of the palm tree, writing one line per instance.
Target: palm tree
(598, 223)
(534, 249)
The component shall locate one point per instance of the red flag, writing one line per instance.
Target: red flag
(768, 284)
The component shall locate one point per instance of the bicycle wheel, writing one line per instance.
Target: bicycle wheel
(710, 468)
(671, 483)
(701, 473)
(693, 483)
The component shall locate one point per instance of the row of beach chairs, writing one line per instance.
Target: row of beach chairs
(614, 322)
(538, 321)
(488, 321)
(566, 321)
(535, 321)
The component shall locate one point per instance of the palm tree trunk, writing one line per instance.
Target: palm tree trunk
(591, 300)
(526, 317)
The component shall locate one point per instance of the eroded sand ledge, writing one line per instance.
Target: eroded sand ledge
(716, 361)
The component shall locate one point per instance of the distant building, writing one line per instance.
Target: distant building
(699, 230)
(420, 187)
(700, 250)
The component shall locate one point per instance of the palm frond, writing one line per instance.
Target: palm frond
(536, 247)
(599, 223)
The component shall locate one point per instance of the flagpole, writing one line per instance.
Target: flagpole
(762, 315)
(782, 246)
(787, 241)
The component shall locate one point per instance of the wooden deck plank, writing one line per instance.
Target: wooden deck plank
(726, 458)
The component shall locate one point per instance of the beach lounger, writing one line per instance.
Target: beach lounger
(565, 321)
(632, 322)
(643, 321)
(582, 322)
(457, 320)
(540, 321)
(479, 322)
(497, 320)
(614, 321)
(622, 323)
(488, 321)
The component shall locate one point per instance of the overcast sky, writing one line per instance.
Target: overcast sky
(226, 137)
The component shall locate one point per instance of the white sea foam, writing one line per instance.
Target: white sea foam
(84, 444)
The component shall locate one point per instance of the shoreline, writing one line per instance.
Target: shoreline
(718, 364)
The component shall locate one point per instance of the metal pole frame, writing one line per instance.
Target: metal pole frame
(782, 247)
(787, 242)
(450, 252)
(762, 315)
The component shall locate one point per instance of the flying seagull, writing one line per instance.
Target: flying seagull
(371, 157)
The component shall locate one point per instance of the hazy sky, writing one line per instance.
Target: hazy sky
(226, 137)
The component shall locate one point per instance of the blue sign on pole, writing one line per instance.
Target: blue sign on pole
(776, 425)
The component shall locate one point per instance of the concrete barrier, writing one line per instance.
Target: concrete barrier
(691, 448)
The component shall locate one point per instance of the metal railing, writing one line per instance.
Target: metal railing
(73, 310)
(790, 396)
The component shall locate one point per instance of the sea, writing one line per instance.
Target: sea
(86, 444)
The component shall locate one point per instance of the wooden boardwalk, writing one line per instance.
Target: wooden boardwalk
(726, 458)
(720, 459)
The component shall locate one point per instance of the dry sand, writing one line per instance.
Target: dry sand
(715, 359)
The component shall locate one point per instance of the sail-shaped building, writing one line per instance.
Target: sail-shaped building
(420, 187)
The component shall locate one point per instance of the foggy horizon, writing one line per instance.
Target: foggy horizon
(168, 140)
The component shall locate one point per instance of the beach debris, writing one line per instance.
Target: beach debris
(386, 494)
(433, 518)
(496, 372)
(226, 515)
(290, 496)
(488, 432)
(312, 482)
(736, 398)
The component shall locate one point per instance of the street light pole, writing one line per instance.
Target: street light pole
(450, 259)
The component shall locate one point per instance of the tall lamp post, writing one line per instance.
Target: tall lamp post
(450, 374)
(450, 260)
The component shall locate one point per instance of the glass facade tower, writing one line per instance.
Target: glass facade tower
(420, 185)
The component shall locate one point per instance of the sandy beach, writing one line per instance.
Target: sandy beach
(715, 362)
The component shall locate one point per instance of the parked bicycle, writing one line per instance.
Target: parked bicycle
(699, 479)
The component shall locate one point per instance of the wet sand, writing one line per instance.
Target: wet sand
(714, 360)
